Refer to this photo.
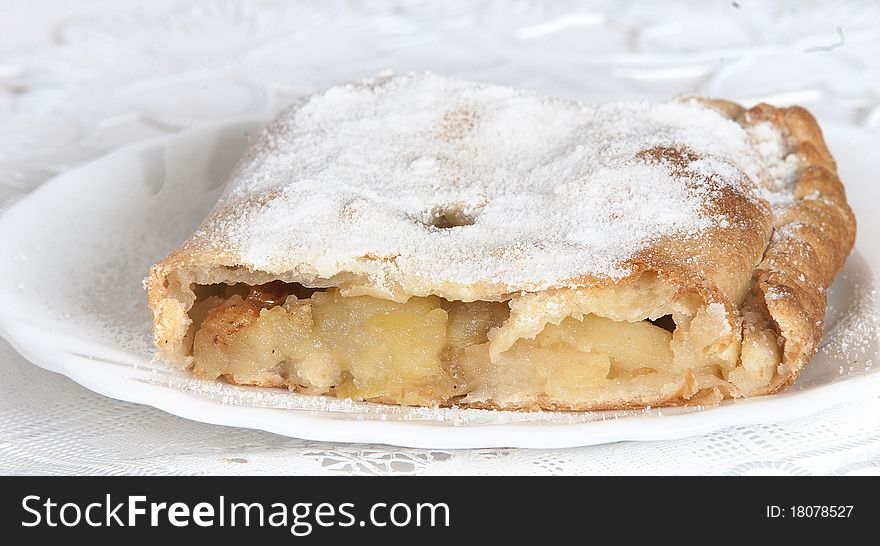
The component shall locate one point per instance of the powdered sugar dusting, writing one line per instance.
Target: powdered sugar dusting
(423, 177)
(853, 341)
(778, 166)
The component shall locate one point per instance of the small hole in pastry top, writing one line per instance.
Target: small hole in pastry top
(450, 216)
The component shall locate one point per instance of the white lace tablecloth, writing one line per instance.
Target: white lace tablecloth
(78, 79)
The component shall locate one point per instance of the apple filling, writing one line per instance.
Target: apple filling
(430, 351)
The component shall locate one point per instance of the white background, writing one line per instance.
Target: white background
(78, 79)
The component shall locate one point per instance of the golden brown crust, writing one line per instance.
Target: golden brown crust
(708, 397)
(812, 238)
(768, 267)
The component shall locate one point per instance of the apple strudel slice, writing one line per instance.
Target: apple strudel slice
(420, 240)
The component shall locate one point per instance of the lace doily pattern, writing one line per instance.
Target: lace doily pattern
(106, 81)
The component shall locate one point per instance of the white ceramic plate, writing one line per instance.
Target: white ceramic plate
(75, 252)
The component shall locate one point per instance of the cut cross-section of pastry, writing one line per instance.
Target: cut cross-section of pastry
(427, 241)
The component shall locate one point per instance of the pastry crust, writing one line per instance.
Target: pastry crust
(756, 277)
(812, 238)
